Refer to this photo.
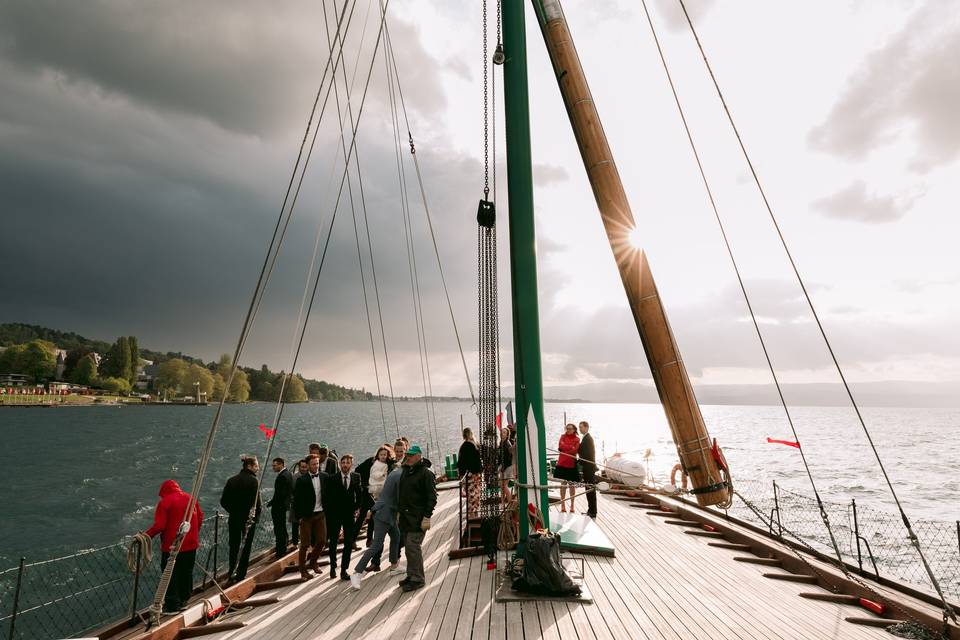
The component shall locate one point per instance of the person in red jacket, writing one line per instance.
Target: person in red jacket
(166, 522)
(567, 464)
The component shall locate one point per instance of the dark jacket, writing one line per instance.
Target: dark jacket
(282, 492)
(330, 466)
(304, 498)
(468, 459)
(506, 453)
(385, 508)
(588, 454)
(340, 501)
(240, 494)
(418, 495)
(364, 470)
(169, 514)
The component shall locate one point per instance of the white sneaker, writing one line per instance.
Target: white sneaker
(355, 581)
(396, 569)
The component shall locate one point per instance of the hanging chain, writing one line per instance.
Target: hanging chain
(486, 109)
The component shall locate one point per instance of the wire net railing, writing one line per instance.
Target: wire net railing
(871, 539)
(74, 594)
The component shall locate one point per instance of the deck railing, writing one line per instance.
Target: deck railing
(69, 595)
(873, 540)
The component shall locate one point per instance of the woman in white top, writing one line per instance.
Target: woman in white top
(378, 471)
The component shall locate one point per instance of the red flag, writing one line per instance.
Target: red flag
(499, 419)
(267, 431)
(789, 443)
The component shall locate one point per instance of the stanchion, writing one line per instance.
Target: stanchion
(136, 584)
(16, 599)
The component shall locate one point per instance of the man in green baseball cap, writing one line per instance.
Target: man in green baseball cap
(418, 498)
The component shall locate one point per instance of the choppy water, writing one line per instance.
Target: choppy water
(84, 477)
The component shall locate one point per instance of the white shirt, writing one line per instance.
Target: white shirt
(317, 506)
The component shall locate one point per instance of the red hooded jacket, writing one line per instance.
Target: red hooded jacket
(169, 515)
(569, 445)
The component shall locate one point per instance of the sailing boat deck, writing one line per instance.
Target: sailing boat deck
(662, 584)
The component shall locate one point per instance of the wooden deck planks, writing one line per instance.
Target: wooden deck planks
(652, 590)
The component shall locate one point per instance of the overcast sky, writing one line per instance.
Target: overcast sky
(145, 149)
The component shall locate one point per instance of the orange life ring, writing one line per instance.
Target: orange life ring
(673, 475)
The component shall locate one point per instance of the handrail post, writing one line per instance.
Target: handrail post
(16, 598)
(216, 543)
(856, 532)
(776, 508)
(136, 583)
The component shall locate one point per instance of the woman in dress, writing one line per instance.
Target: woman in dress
(566, 470)
(469, 467)
(508, 468)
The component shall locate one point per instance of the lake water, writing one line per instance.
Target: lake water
(85, 477)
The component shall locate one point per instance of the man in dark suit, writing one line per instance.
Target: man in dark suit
(308, 507)
(342, 496)
(588, 466)
(280, 504)
(238, 498)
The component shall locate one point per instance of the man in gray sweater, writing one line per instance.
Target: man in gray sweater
(383, 516)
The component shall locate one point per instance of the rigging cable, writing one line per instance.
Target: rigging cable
(411, 259)
(743, 289)
(426, 208)
(323, 256)
(353, 212)
(947, 609)
(266, 270)
(301, 316)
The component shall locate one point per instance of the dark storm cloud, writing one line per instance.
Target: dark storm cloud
(246, 66)
(908, 87)
(854, 203)
(142, 205)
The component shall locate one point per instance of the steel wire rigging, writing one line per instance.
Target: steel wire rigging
(948, 612)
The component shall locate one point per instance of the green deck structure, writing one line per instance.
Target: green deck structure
(580, 534)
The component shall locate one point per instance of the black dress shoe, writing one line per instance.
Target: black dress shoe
(404, 582)
(344, 576)
(333, 572)
(413, 586)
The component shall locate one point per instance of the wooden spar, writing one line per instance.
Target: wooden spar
(669, 374)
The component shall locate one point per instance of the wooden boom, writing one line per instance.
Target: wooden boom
(701, 460)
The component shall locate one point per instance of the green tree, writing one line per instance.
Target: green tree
(219, 387)
(85, 371)
(194, 374)
(39, 360)
(294, 391)
(118, 386)
(240, 387)
(11, 358)
(70, 362)
(171, 375)
(134, 350)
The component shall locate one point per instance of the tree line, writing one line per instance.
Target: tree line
(31, 350)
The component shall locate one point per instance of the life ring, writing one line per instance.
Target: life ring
(673, 475)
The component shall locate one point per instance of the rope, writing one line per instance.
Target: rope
(947, 609)
(509, 533)
(353, 212)
(426, 209)
(316, 282)
(411, 255)
(726, 241)
(144, 544)
(266, 270)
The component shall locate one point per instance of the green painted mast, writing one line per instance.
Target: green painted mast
(528, 377)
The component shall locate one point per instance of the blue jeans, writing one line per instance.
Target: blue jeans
(375, 551)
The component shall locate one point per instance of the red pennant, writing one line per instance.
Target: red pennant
(267, 431)
(499, 419)
(789, 443)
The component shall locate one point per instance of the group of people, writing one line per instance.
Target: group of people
(577, 464)
(324, 499)
(470, 467)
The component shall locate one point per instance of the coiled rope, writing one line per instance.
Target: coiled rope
(139, 552)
